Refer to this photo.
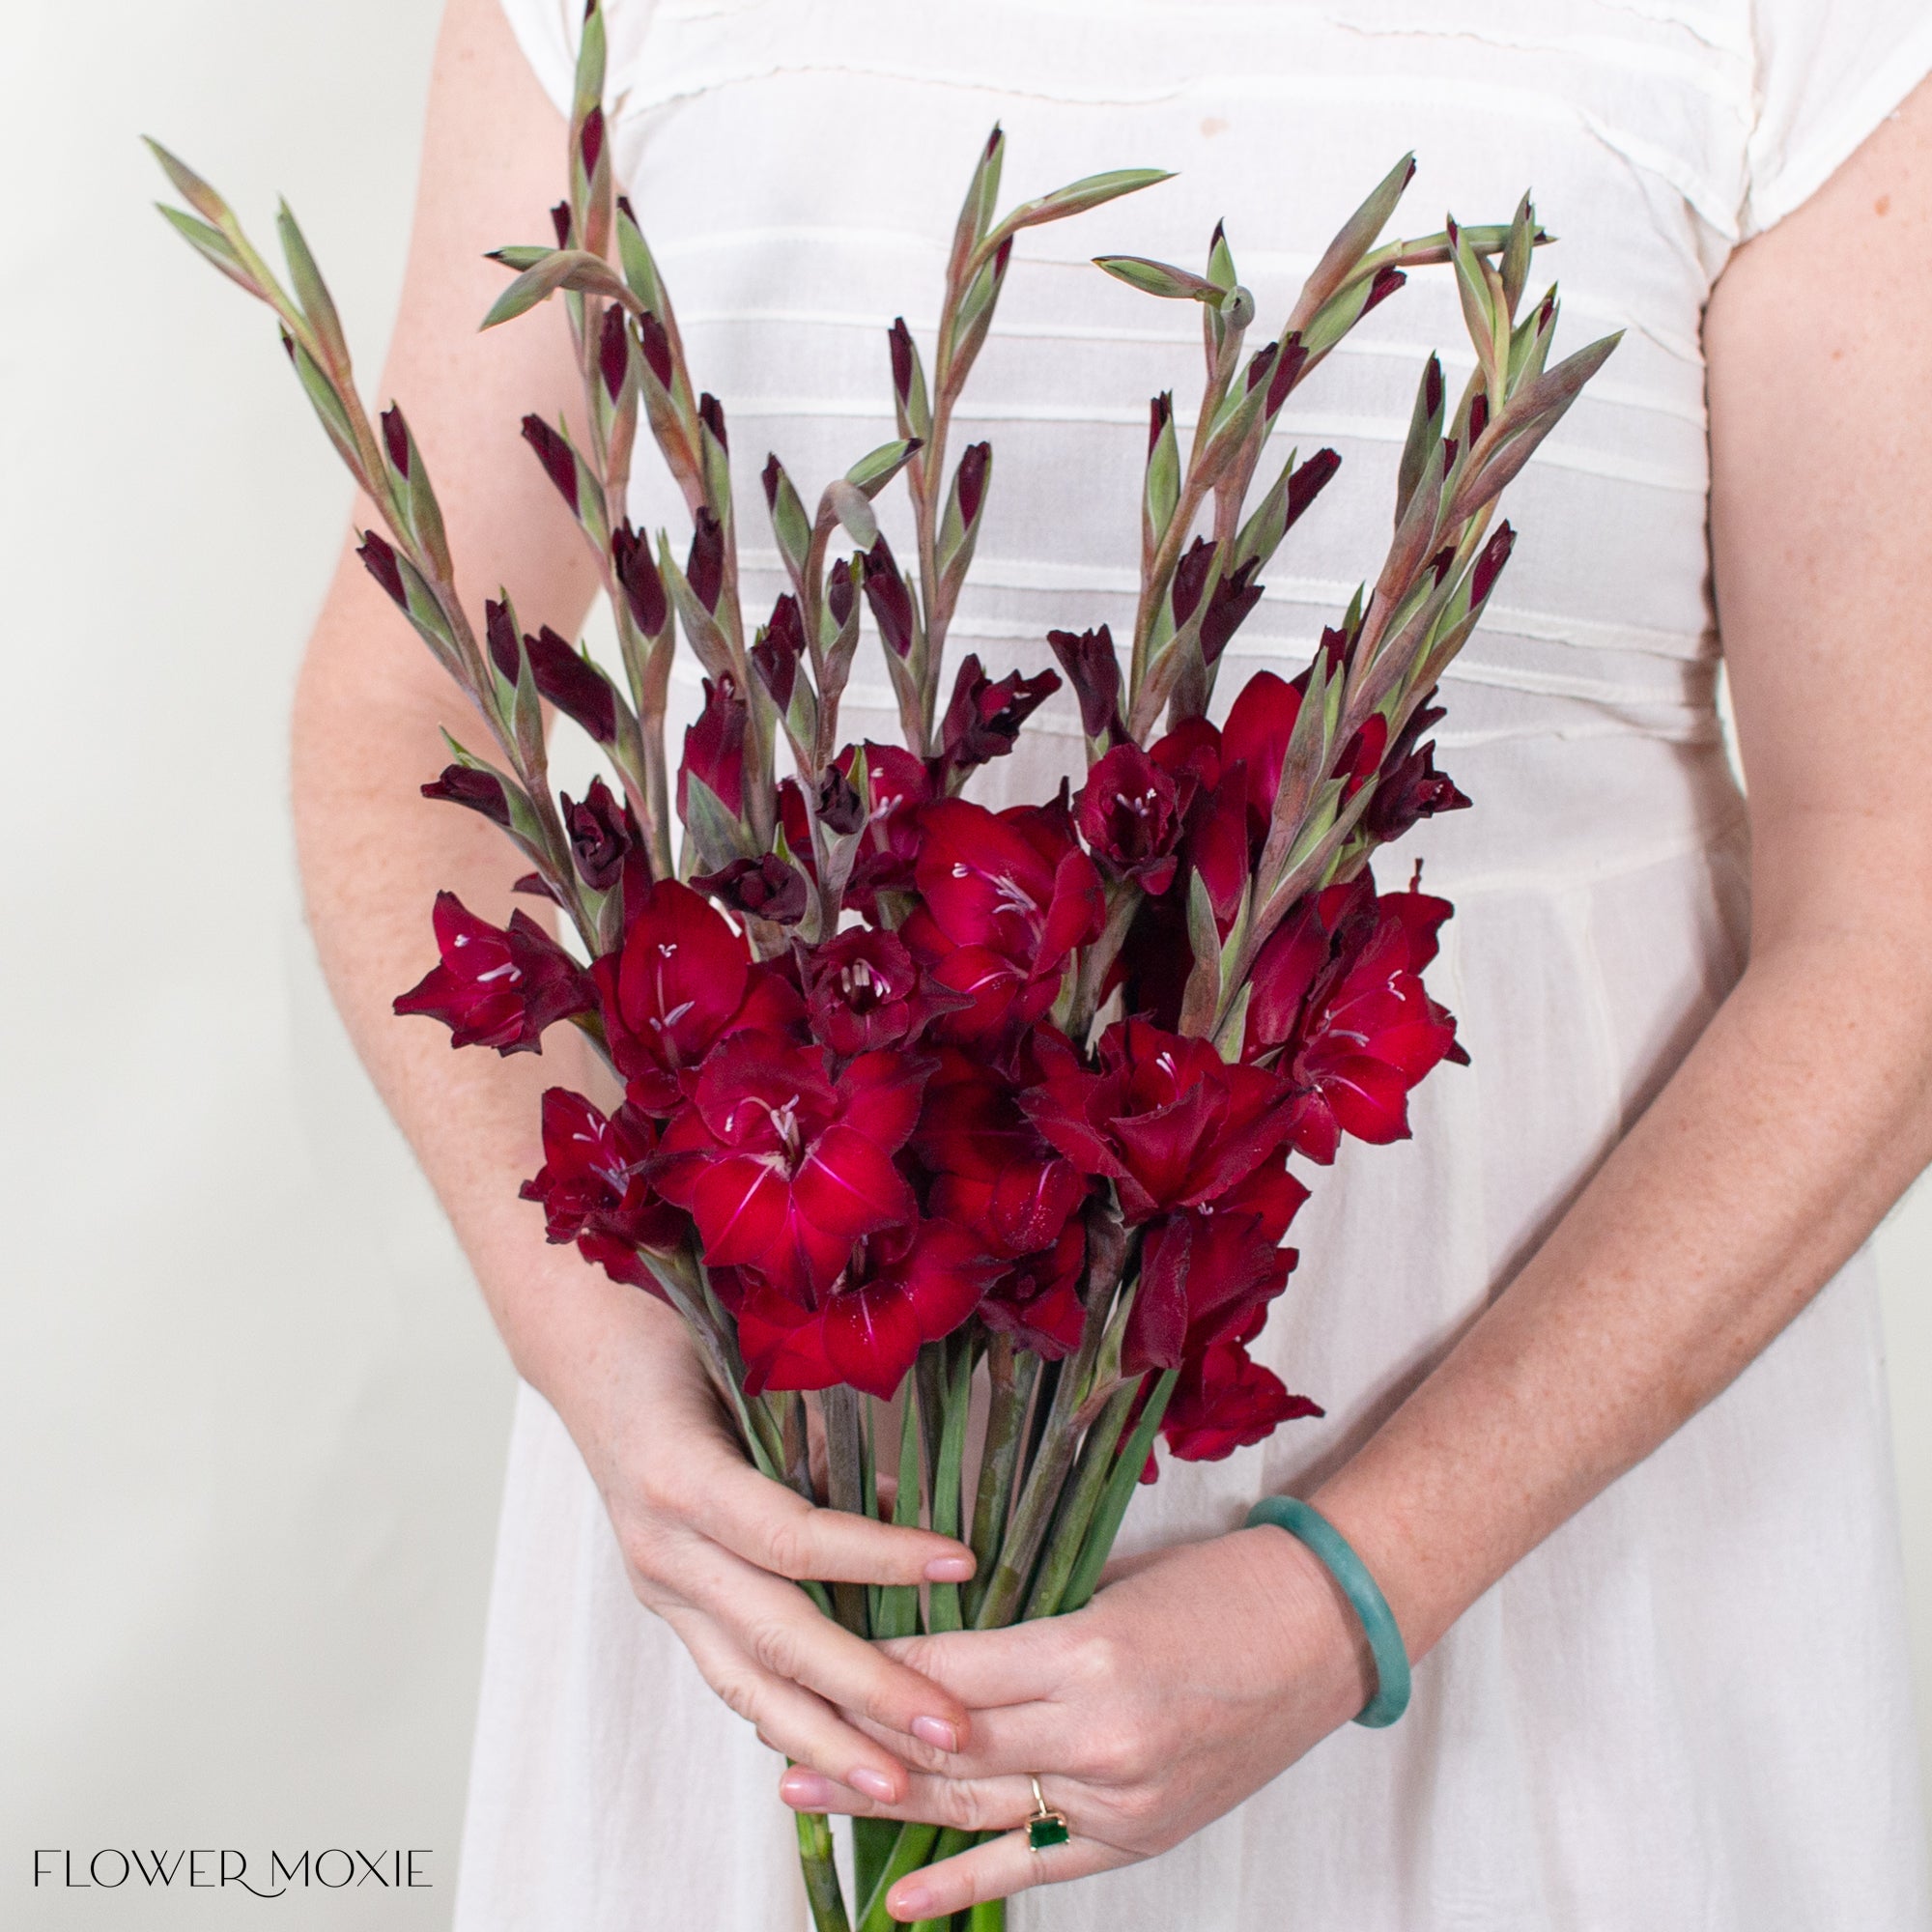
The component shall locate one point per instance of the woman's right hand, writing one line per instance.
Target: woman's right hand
(717, 1550)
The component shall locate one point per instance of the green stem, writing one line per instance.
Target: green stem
(898, 1603)
(943, 1599)
(915, 1842)
(1013, 1379)
(844, 1461)
(821, 1874)
(1067, 1542)
(1119, 1492)
(989, 1915)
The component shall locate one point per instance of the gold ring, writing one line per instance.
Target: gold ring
(1046, 1826)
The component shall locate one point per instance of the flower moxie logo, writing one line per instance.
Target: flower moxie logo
(205, 1869)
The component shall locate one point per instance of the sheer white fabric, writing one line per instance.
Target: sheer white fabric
(1691, 1707)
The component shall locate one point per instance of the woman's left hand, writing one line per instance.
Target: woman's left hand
(1187, 1684)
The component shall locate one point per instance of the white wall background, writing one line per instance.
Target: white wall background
(251, 1415)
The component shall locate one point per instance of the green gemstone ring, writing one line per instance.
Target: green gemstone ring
(1046, 1827)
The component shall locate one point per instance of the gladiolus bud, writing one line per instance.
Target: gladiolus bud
(1228, 609)
(1094, 673)
(602, 834)
(890, 601)
(1490, 564)
(838, 592)
(396, 440)
(591, 141)
(558, 458)
(1191, 577)
(379, 559)
(1388, 279)
(614, 352)
(577, 688)
(504, 651)
(704, 567)
(711, 411)
(764, 888)
(1479, 414)
(777, 653)
(971, 480)
(1308, 481)
(656, 345)
(480, 791)
(559, 220)
(1160, 412)
(638, 573)
(1285, 372)
(714, 748)
(841, 808)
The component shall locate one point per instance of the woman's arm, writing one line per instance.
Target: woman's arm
(1803, 1112)
(708, 1542)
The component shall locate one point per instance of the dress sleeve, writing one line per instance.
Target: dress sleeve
(1828, 73)
(547, 32)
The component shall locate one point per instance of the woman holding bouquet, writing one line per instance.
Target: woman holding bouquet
(1598, 1348)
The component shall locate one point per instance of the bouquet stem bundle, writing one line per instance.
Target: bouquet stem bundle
(915, 1092)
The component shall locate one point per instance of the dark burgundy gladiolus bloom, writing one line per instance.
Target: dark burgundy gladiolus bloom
(593, 1189)
(711, 414)
(1004, 900)
(993, 1170)
(496, 986)
(614, 352)
(1223, 1401)
(656, 345)
(1038, 1302)
(766, 888)
(379, 559)
(1262, 363)
(1411, 788)
(682, 980)
(714, 748)
(1130, 814)
(1257, 733)
(1339, 1005)
(909, 1284)
(591, 143)
(579, 690)
(644, 587)
(1094, 673)
(1166, 1119)
(971, 478)
(559, 221)
(839, 592)
(841, 808)
(777, 653)
(603, 832)
(901, 785)
(983, 719)
(1235, 596)
(1207, 1276)
(783, 1169)
(863, 989)
(396, 439)
(480, 791)
(890, 600)
(558, 458)
(505, 652)
(704, 567)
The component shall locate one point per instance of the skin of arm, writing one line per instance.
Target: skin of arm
(707, 1541)
(1801, 1115)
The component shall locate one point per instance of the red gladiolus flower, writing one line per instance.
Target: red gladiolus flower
(1224, 1402)
(603, 834)
(496, 986)
(782, 1168)
(1257, 733)
(593, 1189)
(682, 980)
(1339, 1005)
(908, 1285)
(1130, 816)
(1207, 1273)
(993, 1170)
(1038, 1302)
(1004, 900)
(864, 990)
(900, 784)
(983, 719)
(1166, 1119)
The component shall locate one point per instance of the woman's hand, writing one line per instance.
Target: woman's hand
(1187, 1684)
(713, 1547)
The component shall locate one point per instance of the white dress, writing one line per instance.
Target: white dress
(1691, 1707)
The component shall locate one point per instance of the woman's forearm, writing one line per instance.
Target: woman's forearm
(1798, 1118)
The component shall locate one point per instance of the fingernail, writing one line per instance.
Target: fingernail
(917, 1903)
(937, 1732)
(949, 1570)
(806, 1788)
(873, 1783)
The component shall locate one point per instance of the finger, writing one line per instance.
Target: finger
(966, 1804)
(789, 1719)
(997, 1869)
(983, 1668)
(776, 1625)
(775, 1528)
(1009, 1740)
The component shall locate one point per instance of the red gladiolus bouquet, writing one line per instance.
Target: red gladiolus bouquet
(911, 1089)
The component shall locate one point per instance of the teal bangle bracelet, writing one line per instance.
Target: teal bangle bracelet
(1308, 1525)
